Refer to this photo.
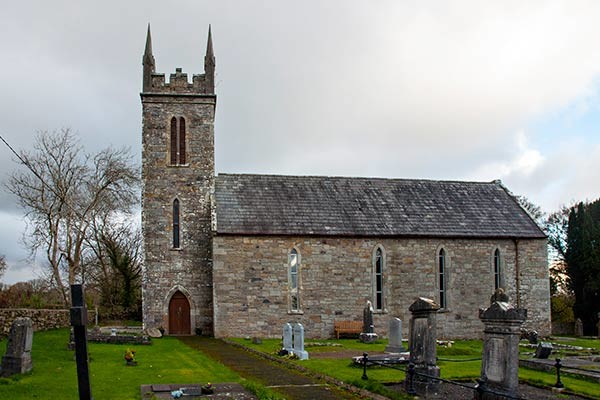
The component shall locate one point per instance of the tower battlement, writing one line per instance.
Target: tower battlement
(178, 83)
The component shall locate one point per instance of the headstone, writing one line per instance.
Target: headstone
(500, 360)
(17, 359)
(422, 343)
(395, 336)
(287, 337)
(299, 342)
(368, 334)
(578, 327)
(543, 350)
(154, 333)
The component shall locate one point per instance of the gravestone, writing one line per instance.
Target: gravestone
(395, 336)
(543, 350)
(17, 359)
(287, 337)
(368, 334)
(299, 342)
(578, 327)
(500, 360)
(422, 343)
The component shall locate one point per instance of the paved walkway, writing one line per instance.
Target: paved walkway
(292, 384)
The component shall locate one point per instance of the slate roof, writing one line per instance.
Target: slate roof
(340, 206)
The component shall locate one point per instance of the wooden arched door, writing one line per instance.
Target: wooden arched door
(179, 315)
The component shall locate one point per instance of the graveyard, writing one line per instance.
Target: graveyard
(508, 363)
(168, 361)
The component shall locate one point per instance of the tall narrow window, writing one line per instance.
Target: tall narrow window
(293, 281)
(176, 224)
(181, 140)
(497, 270)
(378, 262)
(442, 277)
(173, 138)
(177, 139)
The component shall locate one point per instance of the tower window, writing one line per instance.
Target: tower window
(442, 277)
(378, 264)
(177, 139)
(176, 226)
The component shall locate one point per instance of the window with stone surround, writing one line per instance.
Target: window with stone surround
(378, 269)
(497, 270)
(294, 281)
(176, 227)
(177, 141)
(442, 275)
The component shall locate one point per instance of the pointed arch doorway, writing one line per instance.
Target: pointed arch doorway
(179, 315)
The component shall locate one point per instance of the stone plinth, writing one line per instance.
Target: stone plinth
(422, 343)
(500, 362)
(17, 359)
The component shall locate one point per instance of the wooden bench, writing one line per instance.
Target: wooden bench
(347, 327)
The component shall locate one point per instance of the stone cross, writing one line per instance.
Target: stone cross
(287, 337)
(299, 342)
(17, 359)
(368, 334)
(423, 336)
(368, 326)
(500, 360)
(395, 336)
(578, 327)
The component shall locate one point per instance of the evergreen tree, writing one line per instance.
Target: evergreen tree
(583, 261)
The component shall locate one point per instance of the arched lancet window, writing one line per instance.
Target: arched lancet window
(176, 226)
(294, 280)
(177, 139)
(442, 277)
(497, 270)
(378, 266)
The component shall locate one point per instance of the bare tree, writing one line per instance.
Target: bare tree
(3, 266)
(63, 191)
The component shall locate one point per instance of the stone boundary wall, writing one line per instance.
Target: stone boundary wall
(43, 319)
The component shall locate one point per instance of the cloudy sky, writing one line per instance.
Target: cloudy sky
(441, 90)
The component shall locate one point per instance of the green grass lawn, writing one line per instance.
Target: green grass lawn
(462, 361)
(54, 373)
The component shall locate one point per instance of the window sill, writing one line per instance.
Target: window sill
(384, 311)
(178, 165)
(299, 312)
(444, 310)
(176, 249)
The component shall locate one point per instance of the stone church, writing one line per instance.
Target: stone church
(242, 254)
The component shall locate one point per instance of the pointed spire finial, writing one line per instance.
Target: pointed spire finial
(148, 63)
(148, 51)
(210, 56)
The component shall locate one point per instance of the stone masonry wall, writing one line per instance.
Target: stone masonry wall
(187, 268)
(251, 282)
(43, 319)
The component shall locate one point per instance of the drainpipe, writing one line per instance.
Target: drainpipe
(517, 274)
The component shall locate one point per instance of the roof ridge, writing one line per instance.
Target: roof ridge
(494, 182)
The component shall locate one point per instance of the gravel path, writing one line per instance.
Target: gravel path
(290, 383)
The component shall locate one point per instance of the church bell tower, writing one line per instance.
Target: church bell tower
(178, 175)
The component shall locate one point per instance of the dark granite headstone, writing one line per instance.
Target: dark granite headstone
(543, 350)
(17, 359)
